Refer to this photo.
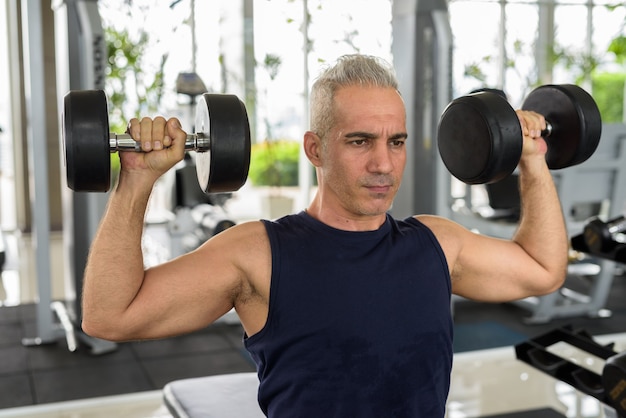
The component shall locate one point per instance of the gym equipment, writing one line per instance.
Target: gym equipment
(226, 396)
(81, 62)
(605, 236)
(221, 141)
(480, 138)
(609, 388)
(425, 79)
(2, 254)
(614, 381)
(606, 240)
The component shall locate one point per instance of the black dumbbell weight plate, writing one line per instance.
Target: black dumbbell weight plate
(480, 138)
(85, 133)
(597, 236)
(224, 167)
(614, 382)
(575, 120)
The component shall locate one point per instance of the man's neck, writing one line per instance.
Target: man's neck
(342, 219)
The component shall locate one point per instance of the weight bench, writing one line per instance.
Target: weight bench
(220, 396)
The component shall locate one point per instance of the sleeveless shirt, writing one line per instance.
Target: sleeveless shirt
(359, 323)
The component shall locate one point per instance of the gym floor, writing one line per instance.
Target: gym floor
(51, 373)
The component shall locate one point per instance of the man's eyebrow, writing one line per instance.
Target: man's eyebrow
(399, 135)
(361, 134)
(369, 135)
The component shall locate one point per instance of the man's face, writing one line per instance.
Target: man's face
(364, 157)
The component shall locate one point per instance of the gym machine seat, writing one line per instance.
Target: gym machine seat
(223, 396)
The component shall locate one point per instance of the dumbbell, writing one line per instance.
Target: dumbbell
(480, 137)
(614, 382)
(609, 386)
(602, 237)
(221, 142)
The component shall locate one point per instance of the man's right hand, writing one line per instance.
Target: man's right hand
(163, 143)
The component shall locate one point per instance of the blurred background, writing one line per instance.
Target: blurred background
(155, 57)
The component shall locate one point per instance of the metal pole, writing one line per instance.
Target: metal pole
(502, 60)
(422, 51)
(589, 43)
(32, 27)
(80, 64)
(304, 168)
(193, 36)
(545, 41)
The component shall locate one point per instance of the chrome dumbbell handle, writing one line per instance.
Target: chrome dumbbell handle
(616, 225)
(548, 131)
(124, 142)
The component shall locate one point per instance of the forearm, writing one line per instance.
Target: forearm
(114, 272)
(542, 232)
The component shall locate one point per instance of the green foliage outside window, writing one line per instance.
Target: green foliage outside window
(274, 163)
(608, 92)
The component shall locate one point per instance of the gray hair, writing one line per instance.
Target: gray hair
(349, 70)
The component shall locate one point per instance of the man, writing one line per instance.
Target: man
(346, 310)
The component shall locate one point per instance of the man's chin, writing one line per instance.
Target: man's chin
(375, 210)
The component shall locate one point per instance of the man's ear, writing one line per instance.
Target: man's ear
(313, 148)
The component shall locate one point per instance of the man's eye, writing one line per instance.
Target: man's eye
(397, 143)
(359, 141)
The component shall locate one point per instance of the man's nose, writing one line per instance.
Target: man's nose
(381, 160)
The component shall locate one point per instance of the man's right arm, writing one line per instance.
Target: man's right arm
(121, 300)
(114, 272)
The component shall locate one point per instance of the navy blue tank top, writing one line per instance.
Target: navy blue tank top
(359, 323)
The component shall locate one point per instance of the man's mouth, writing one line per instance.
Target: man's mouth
(379, 188)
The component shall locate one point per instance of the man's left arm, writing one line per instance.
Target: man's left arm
(534, 261)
